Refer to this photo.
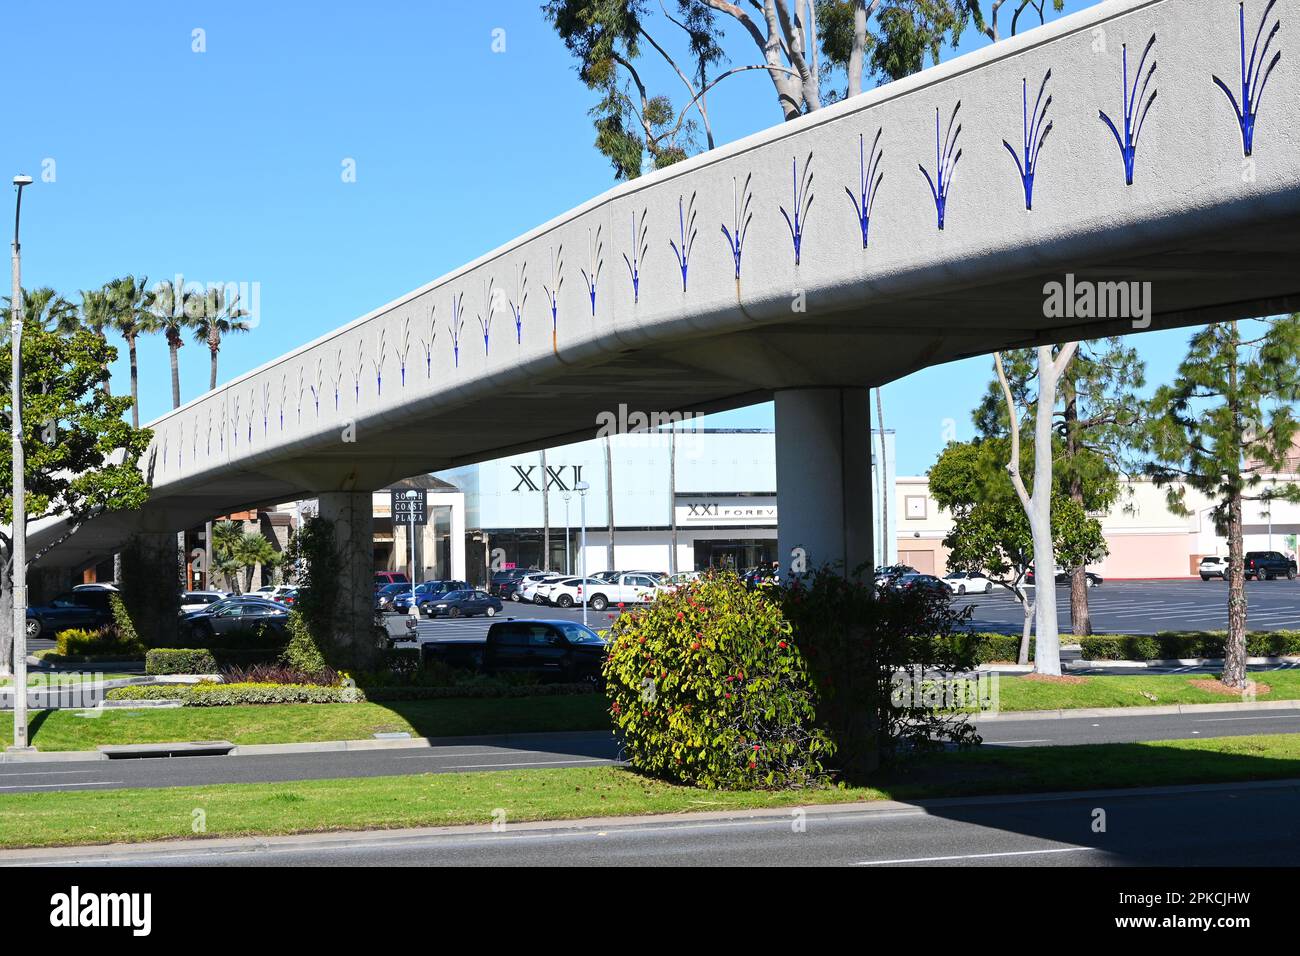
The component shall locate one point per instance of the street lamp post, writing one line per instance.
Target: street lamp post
(20, 491)
(568, 564)
(581, 488)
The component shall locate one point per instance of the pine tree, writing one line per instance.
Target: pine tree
(1225, 421)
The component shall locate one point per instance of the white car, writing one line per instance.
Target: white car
(199, 600)
(527, 590)
(633, 587)
(968, 582)
(273, 592)
(1213, 567)
(567, 592)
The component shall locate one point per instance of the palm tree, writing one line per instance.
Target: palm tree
(96, 315)
(219, 317)
(226, 536)
(251, 550)
(130, 303)
(176, 311)
(46, 308)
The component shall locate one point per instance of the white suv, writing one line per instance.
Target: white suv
(1213, 567)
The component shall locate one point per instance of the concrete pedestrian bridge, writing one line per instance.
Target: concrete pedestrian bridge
(1139, 141)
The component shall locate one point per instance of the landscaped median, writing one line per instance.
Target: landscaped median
(307, 806)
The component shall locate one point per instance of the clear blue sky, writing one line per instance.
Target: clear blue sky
(226, 165)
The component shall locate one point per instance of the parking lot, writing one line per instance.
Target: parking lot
(1146, 607)
(1118, 607)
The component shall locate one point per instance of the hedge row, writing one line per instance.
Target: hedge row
(229, 695)
(475, 691)
(79, 642)
(990, 648)
(179, 660)
(1169, 645)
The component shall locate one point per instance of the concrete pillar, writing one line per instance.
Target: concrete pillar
(150, 585)
(823, 478)
(351, 514)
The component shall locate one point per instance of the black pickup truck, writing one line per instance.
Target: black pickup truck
(1267, 565)
(556, 650)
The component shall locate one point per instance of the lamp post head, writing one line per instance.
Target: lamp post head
(22, 180)
(582, 487)
(412, 494)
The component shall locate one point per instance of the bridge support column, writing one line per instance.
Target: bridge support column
(823, 479)
(353, 520)
(150, 586)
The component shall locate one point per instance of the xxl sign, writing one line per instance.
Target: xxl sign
(530, 477)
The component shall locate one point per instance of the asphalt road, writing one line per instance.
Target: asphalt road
(1145, 607)
(1253, 825)
(589, 749)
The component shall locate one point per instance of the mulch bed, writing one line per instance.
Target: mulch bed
(1219, 687)
(1049, 679)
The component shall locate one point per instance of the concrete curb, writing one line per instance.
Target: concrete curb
(1179, 662)
(1082, 712)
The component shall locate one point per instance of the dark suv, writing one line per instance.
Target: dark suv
(505, 583)
(1268, 565)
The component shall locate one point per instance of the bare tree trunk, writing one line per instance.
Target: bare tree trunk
(176, 375)
(6, 613)
(135, 384)
(1027, 627)
(1047, 651)
(213, 347)
(1234, 651)
(1080, 616)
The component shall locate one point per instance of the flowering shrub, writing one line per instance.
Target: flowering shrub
(707, 688)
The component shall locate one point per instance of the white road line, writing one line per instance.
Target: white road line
(1218, 720)
(1044, 740)
(974, 856)
(93, 783)
(43, 773)
(529, 763)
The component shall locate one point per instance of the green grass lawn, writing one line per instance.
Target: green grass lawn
(1125, 690)
(49, 819)
(294, 723)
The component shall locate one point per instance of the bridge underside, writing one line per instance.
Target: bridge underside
(1238, 271)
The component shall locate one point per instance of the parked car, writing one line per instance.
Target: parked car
(527, 591)
(556, 650)
(633, 587)
(888, 575)
(1267, 565)
(236, 614)
(968, 582)
(923, 582)
(425, 593)
(288, 597)
(1214, 566)
(566, 592)
(759, 577)
(96, 586)
(385, 596)
(465, 604)
(272, 592)
(384, 578)
(505, 583)
(198, 600)
(1063, 577)
(77, 608)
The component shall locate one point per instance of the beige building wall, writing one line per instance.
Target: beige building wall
(1145, 538)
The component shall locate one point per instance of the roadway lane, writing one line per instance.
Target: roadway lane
(587, 749)
(1254, 825)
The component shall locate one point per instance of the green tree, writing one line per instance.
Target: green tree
(250, 551)
(220, 316)
(1226, 420)
(991, 532)
(81, 458)
(129, 304)
(47, 308)
(1096, 424)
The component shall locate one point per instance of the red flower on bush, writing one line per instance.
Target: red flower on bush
(781, 644)
(695, 646)
(681, 616)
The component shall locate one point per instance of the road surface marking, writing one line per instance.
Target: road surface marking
(974, 856)
(41, 786)
(528, 763)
